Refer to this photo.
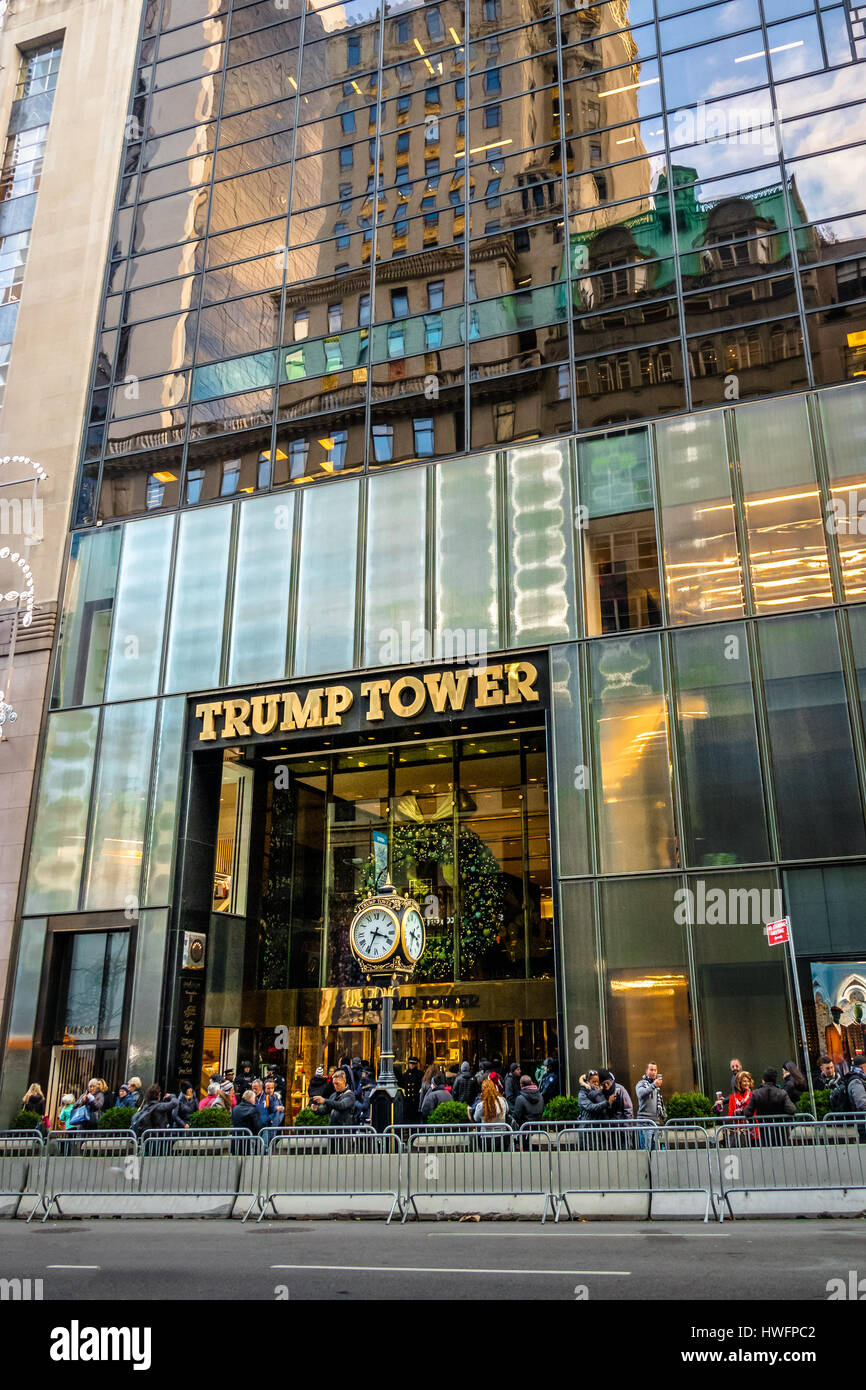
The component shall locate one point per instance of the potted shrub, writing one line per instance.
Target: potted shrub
(562, 1108)
(822, 1104)
(689, 1105)
(308, 1118)
(214, 1117)
(118, 1117)
(27, 1119)
(450, 1112)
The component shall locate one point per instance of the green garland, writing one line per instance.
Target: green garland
(481, 884)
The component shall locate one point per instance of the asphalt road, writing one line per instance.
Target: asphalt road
(147, 1260)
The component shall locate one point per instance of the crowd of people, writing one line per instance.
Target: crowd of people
(490, 1094)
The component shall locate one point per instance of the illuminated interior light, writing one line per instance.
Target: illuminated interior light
(627, 140)
(166, 477)
(479, 149)
(762, 52)
(453, 32)
(612, 92)
(417, 44)
(294, 83)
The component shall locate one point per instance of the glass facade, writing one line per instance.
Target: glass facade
(574, 298)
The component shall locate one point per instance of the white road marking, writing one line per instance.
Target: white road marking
(73, 1266)
(439, 1269)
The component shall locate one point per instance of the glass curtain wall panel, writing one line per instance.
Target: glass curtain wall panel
(198, 602)
(262, 579)
(61, 812)
(325, 628)
(119, 808)
(140, 608)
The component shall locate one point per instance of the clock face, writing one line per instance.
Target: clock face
(374, 934)
(413, 934)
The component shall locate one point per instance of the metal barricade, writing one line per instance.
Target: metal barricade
(200, 1163)
(20, 1152)
(484, 1163)
(776, 1156)
(85, 1163)
(633, 1158)
(351, 1164)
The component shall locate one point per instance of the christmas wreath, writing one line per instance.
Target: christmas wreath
(481, 892)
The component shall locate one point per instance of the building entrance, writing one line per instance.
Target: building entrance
(462, 825)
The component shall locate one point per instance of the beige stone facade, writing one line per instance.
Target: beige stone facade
(48, 373)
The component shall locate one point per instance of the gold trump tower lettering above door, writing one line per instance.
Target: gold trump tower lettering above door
(371, 702)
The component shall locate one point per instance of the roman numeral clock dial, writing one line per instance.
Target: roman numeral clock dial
(387, 934)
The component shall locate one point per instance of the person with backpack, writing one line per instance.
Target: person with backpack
(465, 1088)
(848, 1096)
(157, 1113)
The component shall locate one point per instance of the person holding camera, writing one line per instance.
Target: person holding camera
(650, 1104)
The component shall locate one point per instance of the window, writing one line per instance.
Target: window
(347, 122)
(38, 71)
(403, 138)
(435, 27)
(424, 438)
(333, 355)
(431, 131)
(337, 452)
(301, 325)
(231, 476)
(563, 385)
(492, 81)
(263, 471)
(405, 78)
(432, 332)
(343, 238)
(402, 31)
(431, 171)
(431, 98)
(383, 443)
(371, 116)
(353, 50)
(594, 152)
(194, 484)
(396, 340)
(22, 162)
(296, 367)
(473, 291)
(491, 10)
(503, 421)
(154, 493)
(600, 181)
(345, 197)
(363, 311)
(435, 294)
(493, 199)
(335, 317)
(404, 105)
(400, 303)
(347, 157)
(460, 89)
(13, 259)
(402, 179)
(492, 117)
(298, 451)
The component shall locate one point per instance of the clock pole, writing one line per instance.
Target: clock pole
(399, 958)
(387, 1079)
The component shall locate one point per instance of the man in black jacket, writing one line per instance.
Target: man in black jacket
(465, 1088)
(529, 1105)
(341, 1105)
(769, 1102)
(437, 1095)
(245, 1115)
(411, 1083)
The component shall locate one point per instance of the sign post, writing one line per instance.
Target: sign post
(779, 934)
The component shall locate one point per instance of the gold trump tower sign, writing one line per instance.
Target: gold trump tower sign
(370, 701)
